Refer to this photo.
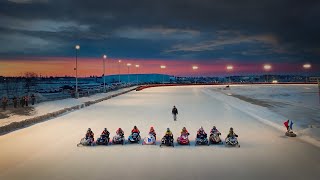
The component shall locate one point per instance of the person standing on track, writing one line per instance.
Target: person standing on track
(174, 113)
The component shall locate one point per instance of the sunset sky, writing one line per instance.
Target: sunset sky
(40, 36)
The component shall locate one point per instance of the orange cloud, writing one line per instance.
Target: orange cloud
(61, 66)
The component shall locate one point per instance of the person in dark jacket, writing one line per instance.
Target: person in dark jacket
(201, 132)
(4, 103)
(26, 100)
(105, 135)
(22, 101)
(33, 99)
(105, 132)
(90, 135)
(174, 113)
(231, 133)
(15, 102)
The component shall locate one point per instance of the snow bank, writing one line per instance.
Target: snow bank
(53, 112)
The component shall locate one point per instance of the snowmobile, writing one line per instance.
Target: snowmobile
(202, 140)
(232, 141)
(103, 140)
(215, 138)
(117, 139)
(134, 138)
(290, 134)
(149, 140)
(289, 124)
(86, 142)
(183, 140)
(167, 141)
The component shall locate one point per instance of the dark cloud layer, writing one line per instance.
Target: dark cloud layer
(285, 30)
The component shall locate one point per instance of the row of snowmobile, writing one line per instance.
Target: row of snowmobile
(200, 140)
(105, 140)
(167, 140)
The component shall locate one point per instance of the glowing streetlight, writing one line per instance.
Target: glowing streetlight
(267, 67)
(229, 68)
(119, 62)
(306, 67)
(194, 68)
(104, 73)
(128, 65)
(77, 47)
(163, 67)
(137, 66)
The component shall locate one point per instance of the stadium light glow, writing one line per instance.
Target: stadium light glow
(307, 66)
(267, 67)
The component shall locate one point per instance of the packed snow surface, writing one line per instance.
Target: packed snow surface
(48, 150)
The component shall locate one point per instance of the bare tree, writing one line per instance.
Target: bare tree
(31, 80)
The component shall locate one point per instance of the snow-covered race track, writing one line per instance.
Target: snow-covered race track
(48, 150)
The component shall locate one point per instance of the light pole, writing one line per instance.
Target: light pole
(306, 67)
(104, 73)
(267, 67)
(128, 65)
(77, 47)
(229, 68)
(194, 68)
(137, 66)
(163, 67)
(119, 62)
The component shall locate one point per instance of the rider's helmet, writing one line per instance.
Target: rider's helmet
(214, 127)
(135, 127)
(105, 129)
(168, 129)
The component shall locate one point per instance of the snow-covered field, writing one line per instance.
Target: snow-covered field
(48, 150)
(299, 103)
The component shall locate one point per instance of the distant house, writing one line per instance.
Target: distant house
(314, 79)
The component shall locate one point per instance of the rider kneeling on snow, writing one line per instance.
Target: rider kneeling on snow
(214, 130)
(201, 133)
(135, 130)
(184, 131)
(90, 135)
(105, 133)
(152, 132)
(231, 133)
(168, 134)
(120, 132)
